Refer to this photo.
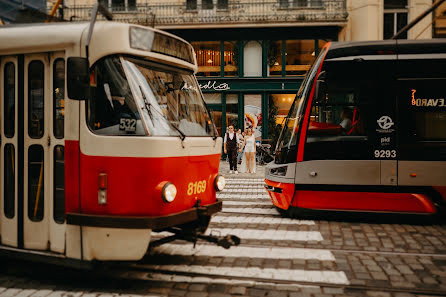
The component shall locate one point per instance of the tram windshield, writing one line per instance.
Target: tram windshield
(290, 131)
(138, 97)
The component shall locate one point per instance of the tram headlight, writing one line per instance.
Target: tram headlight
(220, 183)
(169, 192)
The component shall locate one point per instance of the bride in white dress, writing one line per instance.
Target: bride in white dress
(249, 156)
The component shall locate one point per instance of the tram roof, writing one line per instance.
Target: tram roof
(387, 47)
(37, 37)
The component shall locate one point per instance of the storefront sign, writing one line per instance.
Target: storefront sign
(214, 85)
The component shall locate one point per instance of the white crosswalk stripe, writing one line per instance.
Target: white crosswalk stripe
(244, 196)
(259, 220)
(244, 179)
(249, 210)
(249, 252)
(276, 235)
(253, 191)
(245, 203)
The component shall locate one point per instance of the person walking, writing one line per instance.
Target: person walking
(249, 158)
(240, 152)
(231, 147)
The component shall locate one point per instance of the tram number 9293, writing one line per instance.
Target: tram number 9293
(385, 154)
(197, 187)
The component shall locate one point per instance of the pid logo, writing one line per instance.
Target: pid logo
(385, 122)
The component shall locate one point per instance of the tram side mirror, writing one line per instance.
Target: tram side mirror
(78, 78)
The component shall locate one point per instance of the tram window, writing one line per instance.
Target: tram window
(422, 132)
(9, 186)
(341, 117)
(112, 109)
(9, 103)
(58, 97)
(59, 185)
(36, 183)
(36, 97)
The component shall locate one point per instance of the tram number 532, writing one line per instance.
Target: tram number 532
(127, 125)
(385, 153)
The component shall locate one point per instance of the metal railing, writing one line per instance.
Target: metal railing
(221, 12)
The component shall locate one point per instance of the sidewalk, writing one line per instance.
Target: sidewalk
(224, 170)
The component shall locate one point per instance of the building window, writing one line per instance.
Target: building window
(252, 59)
(207, 4)
(191, 4)
(300, 55)
(274, 58)
(208, 57)
(119, 5)
(232, 111)
(395, 17)
(222, 4)
(231, 58)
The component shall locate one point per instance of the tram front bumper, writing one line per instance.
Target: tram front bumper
(154, 223)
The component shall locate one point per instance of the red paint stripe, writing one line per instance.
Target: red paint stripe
(363, 201)
(300, 152)
(133, 183)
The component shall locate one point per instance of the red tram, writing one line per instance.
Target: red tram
(366, 132)
(105, 138)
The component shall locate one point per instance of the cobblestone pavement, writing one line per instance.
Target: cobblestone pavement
(278, 257)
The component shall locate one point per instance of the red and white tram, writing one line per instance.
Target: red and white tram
(366, 132)
(105, 137)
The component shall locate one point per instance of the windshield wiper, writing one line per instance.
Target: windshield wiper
(148, 107)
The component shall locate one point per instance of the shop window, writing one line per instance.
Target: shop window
(274, 59)
(9, 103)
(279, 106)
(208, 57)
(191, 4)
(321, 44)
(58, 97)
(213, 101)
(36, 183)
(232, 111)
(252, 59)
(36, 99)
(300, 55)
(231, 58)
(9, 181)
(253, 114)
(395, 17)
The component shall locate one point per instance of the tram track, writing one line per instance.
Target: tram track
(344, 251)
(140, 272)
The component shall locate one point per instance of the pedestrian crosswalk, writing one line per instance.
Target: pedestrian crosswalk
(246, 204)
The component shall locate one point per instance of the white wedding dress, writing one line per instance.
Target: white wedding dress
(249, 147)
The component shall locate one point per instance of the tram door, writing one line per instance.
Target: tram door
(38, 151)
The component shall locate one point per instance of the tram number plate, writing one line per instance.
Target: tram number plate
(197, 187)
(385, 154)
(127, 125)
